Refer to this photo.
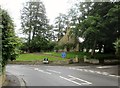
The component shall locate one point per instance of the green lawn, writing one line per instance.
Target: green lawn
(69, 54)
(34, 56)
(82, 54)
(52, 56)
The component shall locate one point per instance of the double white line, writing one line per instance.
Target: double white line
(84, 82)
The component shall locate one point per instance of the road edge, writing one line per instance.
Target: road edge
(21, 80)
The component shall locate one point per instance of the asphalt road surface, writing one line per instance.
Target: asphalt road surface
(44, 75)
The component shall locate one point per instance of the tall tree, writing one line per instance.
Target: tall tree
(101, 19)
(77, 14)
(91, 32)
(34, 21)
(107, 23)
(61, 24)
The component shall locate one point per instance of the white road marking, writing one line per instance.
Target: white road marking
(85, 70)
(49, 66)
(98, 72)
(79, 69)
(71, 68)
(35, 68)
(80, 79)
(104, 67)
(91, 71)
(105, 73)
(70, 80)
(118, 76)
(54, 71)
(42, 71)
(112, 75)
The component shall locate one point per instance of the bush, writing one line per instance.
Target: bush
(51, 46)
(103, 57)
(57, 47)
(68, 46)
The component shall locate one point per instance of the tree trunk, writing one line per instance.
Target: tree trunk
(87, 50)
(33, 32)
(93, 49)
(29, 40)
(100, 48)
(68, 49)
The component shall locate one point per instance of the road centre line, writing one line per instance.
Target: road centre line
(112, 75)
(71, 68)
(79, 69)
(117, 76)
(85, 70)
(70, 80)
(45, 72)
(80, 79)
(98, 72)
(105, 73)
(35, 68)
(42, 71)
(54, 71)
(91, 71)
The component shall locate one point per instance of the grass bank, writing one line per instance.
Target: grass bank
(69, 55)
(36, 56)
(53, 56)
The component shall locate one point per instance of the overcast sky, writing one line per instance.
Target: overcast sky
(53, 8)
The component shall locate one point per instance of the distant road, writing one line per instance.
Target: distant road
(42, 75)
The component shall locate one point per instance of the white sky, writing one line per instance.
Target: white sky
(53, 8)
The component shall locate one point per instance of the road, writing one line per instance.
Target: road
(44, 75)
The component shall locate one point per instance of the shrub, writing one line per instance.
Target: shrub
(68, 46)
(104, 56)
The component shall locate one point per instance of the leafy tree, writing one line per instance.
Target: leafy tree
(91, 32)
(10, 42)
(35, 23)
(39, 44)
(112, 25)
(74, 31)
(61, 25)
(99, 21)
(77, 14)
(108, 27)
(51, 46)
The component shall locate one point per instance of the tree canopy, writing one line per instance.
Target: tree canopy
(10, 42)
(35, 25)
(97, 23)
